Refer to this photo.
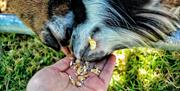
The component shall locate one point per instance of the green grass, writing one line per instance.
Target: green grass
(20, 58)
(136, 69)
(146, 70)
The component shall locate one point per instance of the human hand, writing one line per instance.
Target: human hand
(56, 77)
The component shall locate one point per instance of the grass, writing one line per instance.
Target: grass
(146, 70)
(136, 69)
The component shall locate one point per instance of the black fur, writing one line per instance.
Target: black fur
(79, 11)
(52, 4)
(146, 22)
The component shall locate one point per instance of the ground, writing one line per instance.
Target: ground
(136, 69)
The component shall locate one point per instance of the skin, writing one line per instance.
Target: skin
(55, 77)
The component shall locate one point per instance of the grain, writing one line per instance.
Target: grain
(82, 72)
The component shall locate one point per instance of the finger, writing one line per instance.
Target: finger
(63, 64)
(72, 73)
(107, 71)
(93, 82)
(101, 64)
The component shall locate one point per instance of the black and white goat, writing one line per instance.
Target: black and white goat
(113, 24)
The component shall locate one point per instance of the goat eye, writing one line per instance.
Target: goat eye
(92, 43)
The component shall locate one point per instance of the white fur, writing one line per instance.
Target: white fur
(110, 37)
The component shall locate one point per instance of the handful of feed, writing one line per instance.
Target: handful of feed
(82, 71)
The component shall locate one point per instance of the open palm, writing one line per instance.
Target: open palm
(56, 77)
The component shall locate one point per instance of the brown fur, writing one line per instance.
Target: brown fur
(32, 12)
(174, 3)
